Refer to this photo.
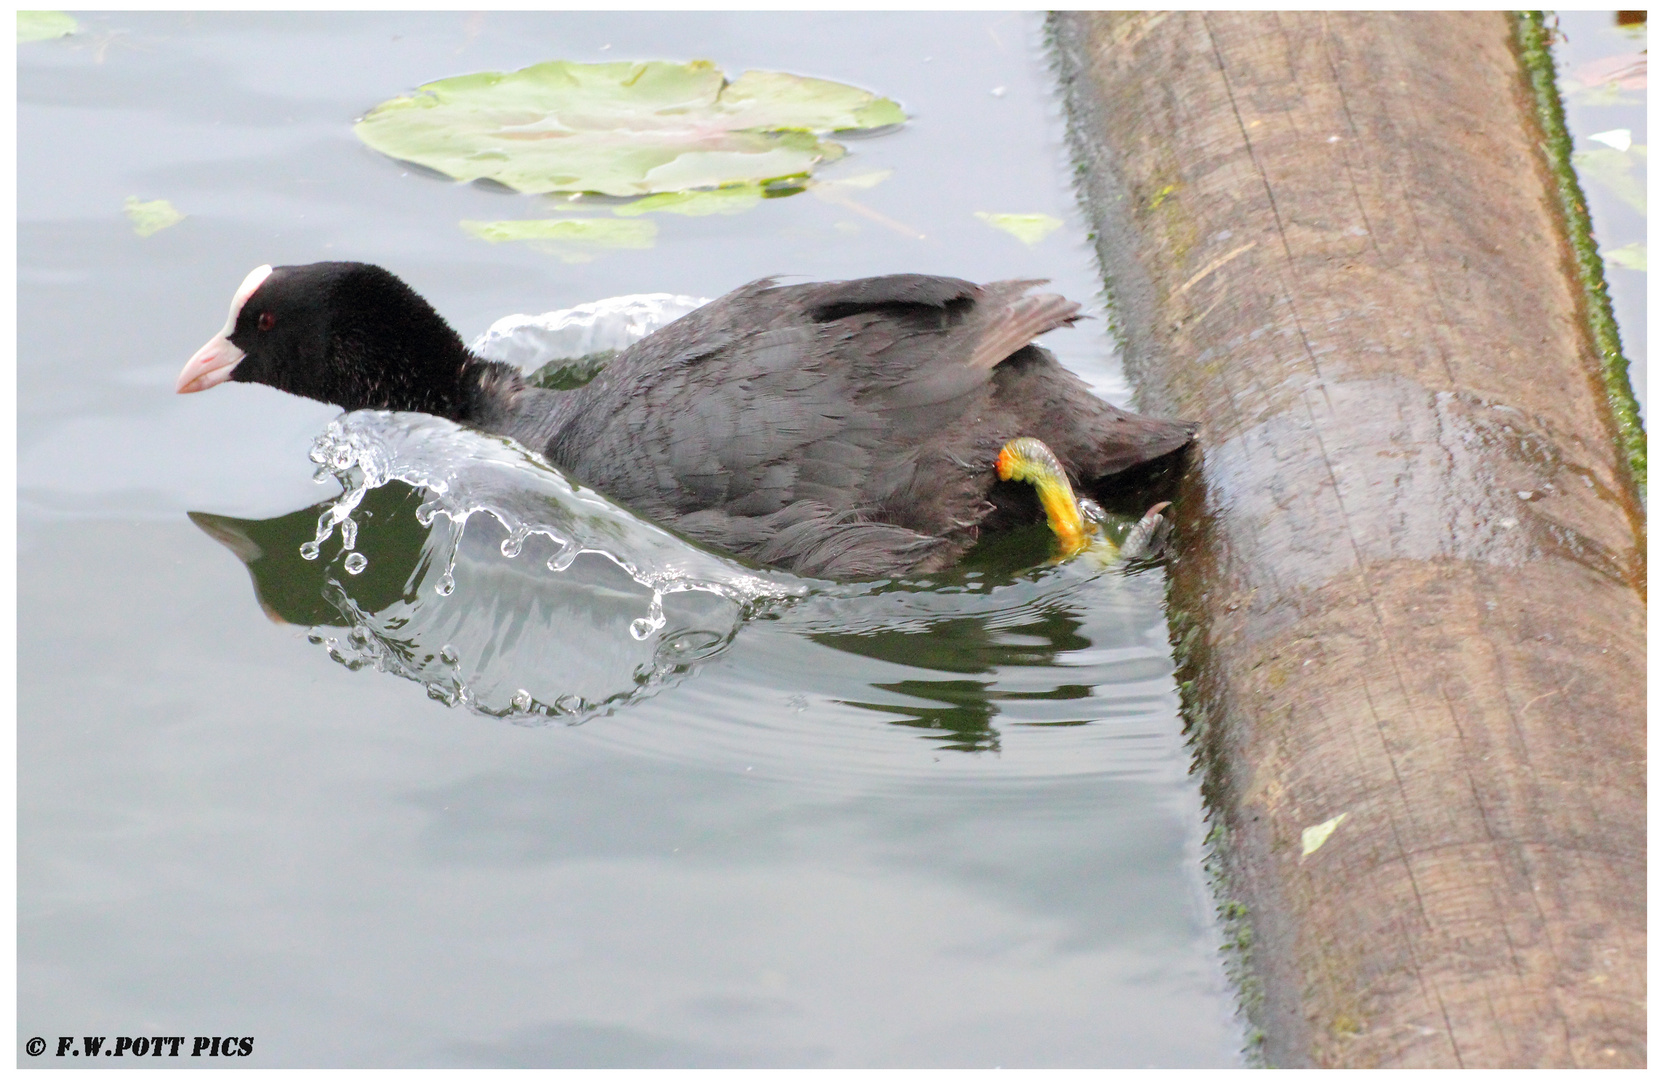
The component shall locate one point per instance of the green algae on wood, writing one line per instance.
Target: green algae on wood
(1531, 38)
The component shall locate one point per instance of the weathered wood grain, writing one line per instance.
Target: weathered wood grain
(1411, 587)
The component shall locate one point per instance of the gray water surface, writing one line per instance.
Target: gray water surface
(1602, 67)
(947, 827)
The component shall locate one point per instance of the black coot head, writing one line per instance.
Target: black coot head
(350, 334)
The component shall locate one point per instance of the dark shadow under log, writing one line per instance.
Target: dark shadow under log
(1410, 596)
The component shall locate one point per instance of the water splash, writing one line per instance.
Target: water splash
(494, 618)
(493, 636)
(575, 334)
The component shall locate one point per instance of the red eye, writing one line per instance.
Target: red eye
(266, 321)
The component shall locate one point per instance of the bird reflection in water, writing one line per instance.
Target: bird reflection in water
(959, 713)
(291, 589)
(523, 627)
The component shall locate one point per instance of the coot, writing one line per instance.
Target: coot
(845, 429)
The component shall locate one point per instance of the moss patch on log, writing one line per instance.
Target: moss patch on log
(1532, 39)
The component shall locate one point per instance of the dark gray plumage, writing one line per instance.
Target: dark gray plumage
(843, 429)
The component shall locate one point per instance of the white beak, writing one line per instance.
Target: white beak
(210, 366)
(213, 362)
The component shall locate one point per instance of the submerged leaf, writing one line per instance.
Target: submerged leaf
(734, 199)
(1614, 170)
(43, 25)
(622, 128)
(1630, 256)
(862, 180)
(151, 217)
(1603, 81)
(602, 232)
(1029, 228)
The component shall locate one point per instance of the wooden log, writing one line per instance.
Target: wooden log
(1409, 602)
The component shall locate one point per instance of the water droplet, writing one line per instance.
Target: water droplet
(448, 655)
(309, 550)
(356, 562)
(349, 534)
(642, 629)
(564, 558)
(447, 578)
(522, 700)
(516, 540)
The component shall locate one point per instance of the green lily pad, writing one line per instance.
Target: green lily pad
(152, 217)
(1029, 228)
(1630, 256)
(629, 128)
(43, 25)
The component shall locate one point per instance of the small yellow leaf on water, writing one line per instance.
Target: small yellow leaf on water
(1630, 256)
(1313, 838)
(1029, 228)
(43, 25)
(152, 217)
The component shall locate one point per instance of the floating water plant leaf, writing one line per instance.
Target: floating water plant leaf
(1614, 171)
(734, 199)
(839, 193)
(1630, 256)
(1618, 139)
(1317, 835)
(1603, 81)
(622, 128)
(862, 180)
(152, 217)
(573, 240)
(1029, 228)
(43, 25)
(604, 232)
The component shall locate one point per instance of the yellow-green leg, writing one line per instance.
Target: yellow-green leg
(1031, 460)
